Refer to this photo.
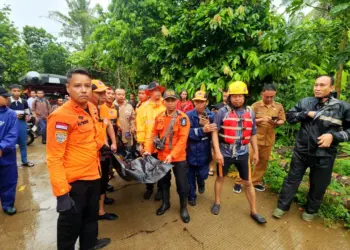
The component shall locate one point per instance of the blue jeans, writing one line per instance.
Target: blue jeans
(42, 125)
(22, 139)
(8, 182)
(197, 174)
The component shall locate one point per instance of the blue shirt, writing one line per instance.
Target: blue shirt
(19, 106)
(199, 143)
(8, 136)
(236, 149)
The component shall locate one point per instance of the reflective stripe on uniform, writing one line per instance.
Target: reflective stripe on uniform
(236, 128)
(238, 119)
(331, 120)
(345, 135)
(235, 137)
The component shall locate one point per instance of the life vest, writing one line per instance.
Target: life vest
(233, 123)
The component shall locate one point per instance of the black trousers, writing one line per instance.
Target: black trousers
(82, 221)
(320, 177)
(105, 175)
(181, 178)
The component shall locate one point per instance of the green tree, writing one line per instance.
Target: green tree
(37, 40)
(121, 44)
(45, 54)
(13, 55)
(54, 59)
(77, 25)
(338, 12)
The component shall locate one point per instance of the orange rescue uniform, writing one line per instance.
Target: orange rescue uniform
(74, 139)
(181, 130)
(147, 116)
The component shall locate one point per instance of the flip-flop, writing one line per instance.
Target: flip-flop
(28, 164)
(211, 172)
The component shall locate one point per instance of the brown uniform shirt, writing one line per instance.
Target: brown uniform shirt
(266, 131)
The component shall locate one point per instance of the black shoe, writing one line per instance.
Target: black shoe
(201, 188)
(237, 188)
(10, 211)
(185, 216)
(108, 201)
(166, 202)
(192, 202)
(259, 187)
(101, 243)
(44, 142)
(108, 216)
(163, 208)
(258, 218)
(110, 188)
(159, 195)
(147, 194)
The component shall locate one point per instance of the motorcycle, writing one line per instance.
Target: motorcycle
(31, 128)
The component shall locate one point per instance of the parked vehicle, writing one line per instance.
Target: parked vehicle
(31, 129)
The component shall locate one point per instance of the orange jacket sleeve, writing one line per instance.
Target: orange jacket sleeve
(57, 136)
(180, 147)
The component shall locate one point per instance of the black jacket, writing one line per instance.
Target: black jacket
(332, 117)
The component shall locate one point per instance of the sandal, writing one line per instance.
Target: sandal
(28, 164)
(211, 172)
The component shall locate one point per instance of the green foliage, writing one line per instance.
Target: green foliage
(332, 208)
(78, 24)
(54, 59)
(342, 167)
(45, 54)
(13, 55)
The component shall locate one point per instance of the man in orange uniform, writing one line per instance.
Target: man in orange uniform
(98, 98)
(146, 118)
(140, 126)
(74, 138)
(169, 136)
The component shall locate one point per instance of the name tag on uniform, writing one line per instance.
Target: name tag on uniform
(183, 121)
(83, 122)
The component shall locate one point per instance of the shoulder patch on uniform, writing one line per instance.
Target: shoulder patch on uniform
(183, 121)
(81, 117)
(61, 126)
(61, 137)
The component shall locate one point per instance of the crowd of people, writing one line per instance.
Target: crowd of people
(176, 130)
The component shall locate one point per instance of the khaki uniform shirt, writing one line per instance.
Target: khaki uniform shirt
(265, 130)
(127, 122)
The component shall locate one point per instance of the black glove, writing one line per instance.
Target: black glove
(65, 203)
(105, 150)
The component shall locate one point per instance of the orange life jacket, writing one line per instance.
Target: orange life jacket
(233, 123)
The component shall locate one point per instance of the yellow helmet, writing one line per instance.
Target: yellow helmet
(237, 88)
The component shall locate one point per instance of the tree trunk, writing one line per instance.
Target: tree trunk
(340, 71)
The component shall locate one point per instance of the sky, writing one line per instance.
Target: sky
(35, 12)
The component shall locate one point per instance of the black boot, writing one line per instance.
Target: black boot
(159, 195)
(185, 216)
(166, 202)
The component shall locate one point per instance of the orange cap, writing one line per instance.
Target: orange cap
(98, 86)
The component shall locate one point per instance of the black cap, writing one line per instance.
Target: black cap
(143, 87)
(169, 93)
(15, 86)
(155, 85)
(4, 93)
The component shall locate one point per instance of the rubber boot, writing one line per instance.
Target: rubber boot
(185, 216)
(166, 202)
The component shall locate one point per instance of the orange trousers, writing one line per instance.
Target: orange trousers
(260, 168)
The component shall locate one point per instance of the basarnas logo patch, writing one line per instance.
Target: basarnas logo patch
(61, 137)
